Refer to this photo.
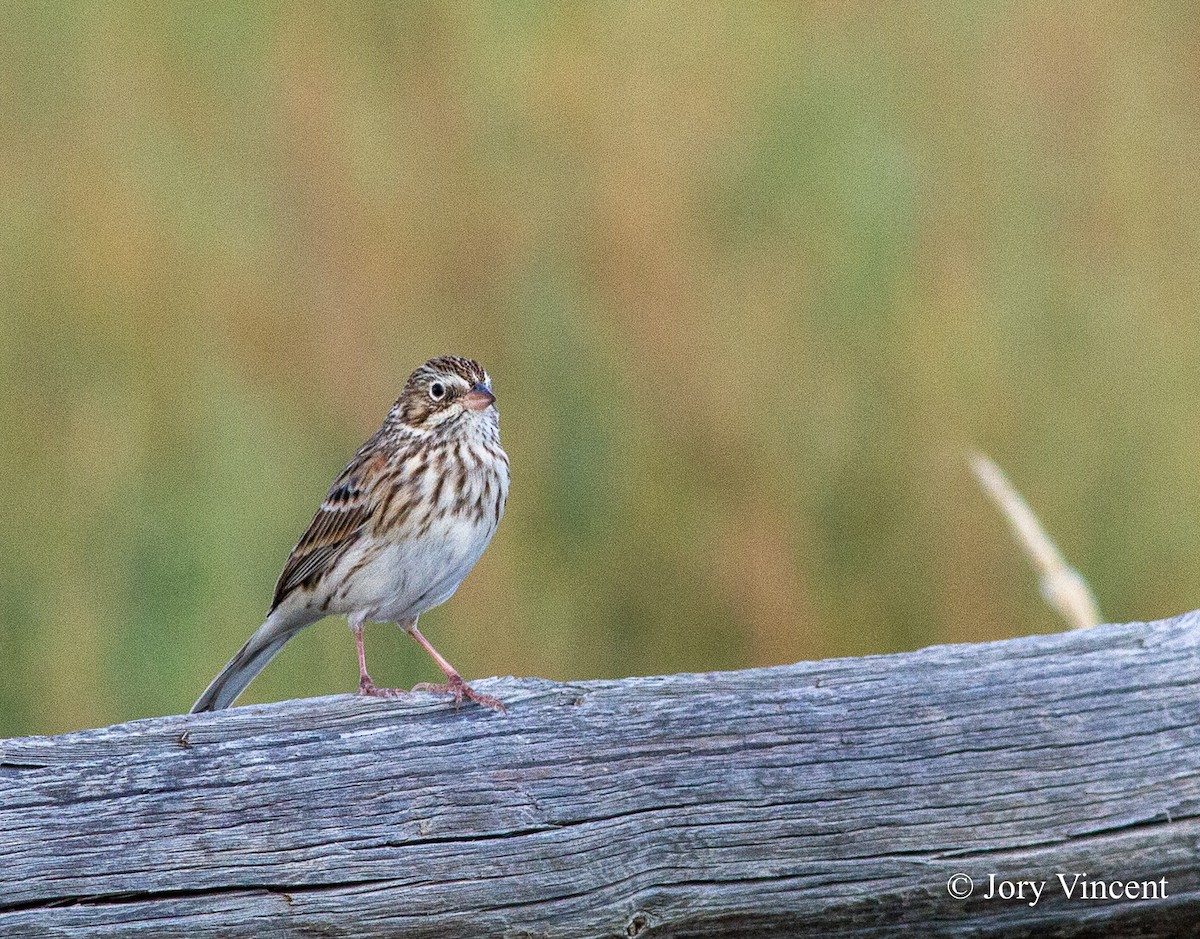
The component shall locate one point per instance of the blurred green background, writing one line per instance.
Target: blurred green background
(750, 280)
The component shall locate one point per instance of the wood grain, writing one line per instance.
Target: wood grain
(829, 798)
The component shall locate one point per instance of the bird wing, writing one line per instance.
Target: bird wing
(350, 505)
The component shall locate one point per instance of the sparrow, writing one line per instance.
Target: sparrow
(400, 528)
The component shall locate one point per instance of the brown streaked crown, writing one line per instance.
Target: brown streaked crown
(419, 407)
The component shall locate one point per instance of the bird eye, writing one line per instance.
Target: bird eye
(437, 391)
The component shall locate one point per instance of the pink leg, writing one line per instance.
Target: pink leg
(454, 684)
(366, 687)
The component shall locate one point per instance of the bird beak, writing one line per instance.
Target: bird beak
(478, 398)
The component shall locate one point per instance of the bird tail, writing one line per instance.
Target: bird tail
(249, 660)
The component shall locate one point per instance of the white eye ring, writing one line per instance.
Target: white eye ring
(437, 391)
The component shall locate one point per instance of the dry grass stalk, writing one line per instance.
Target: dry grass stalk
(1063, 587)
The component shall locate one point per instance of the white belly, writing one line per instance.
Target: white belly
(408, 577)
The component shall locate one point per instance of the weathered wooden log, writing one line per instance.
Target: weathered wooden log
(835, 798)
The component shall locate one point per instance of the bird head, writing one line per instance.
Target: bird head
(446, 393)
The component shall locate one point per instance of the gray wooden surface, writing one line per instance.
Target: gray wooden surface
(829, 798)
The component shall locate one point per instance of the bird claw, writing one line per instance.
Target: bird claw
(460, 689)
(368, 689)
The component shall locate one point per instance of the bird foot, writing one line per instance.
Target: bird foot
(460, 689)
(368, 689)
